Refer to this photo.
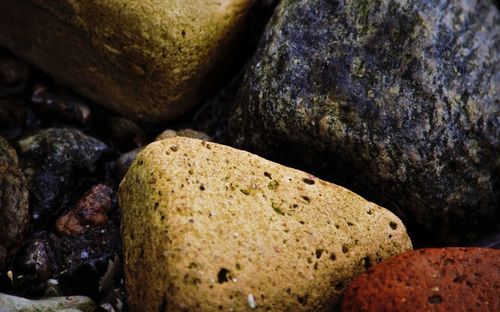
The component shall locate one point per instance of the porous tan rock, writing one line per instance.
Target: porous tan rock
(150, 60)
(208, 227)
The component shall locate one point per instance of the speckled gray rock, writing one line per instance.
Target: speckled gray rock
(55, 304)
(57, 164)
(398, 100)
(14, 217)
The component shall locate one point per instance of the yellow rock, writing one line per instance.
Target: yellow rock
(207, 227)
(149, 60)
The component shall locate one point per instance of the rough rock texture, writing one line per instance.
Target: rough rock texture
(397, 100)
(90, 210)
(58, 164)
(146, 59)
(448, 279)
(57, 304)
(14, 216)
(207, 227)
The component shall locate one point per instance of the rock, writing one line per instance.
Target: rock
(83, 259)
(34, 262)
(126, 133)
(56, 304)
(90, 210)
(58, 164)
(447, 279)
(208, 227)
(13, 116)
(124, 162)
(146, 60)
(58, 104)
(397, 100)
(187, 133)
(13, 74)
(14, 216)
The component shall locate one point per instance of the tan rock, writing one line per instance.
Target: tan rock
(149, 60)
(207, 227)
(188, 133)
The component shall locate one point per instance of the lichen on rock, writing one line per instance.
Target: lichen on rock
(397, 100)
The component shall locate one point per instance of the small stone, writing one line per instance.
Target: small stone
(13, 74)
(13, 116)
(124, 161)
(288, 244)
(14, 216)
(58, 104)
(446, 279)
(35, 261)
(90, 210)
(83, 259)
(57, 164)
(397, 100)
(146, 60)
(187, 133)
(56, 304)
(126, 133)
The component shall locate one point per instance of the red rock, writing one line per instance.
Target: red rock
(91, 209)
(445, 279)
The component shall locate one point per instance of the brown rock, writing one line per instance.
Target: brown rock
(148, 60)
(446, 279)
(14, 217)
(91, 209)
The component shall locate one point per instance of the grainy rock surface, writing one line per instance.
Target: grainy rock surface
(149, 60)
(397, 100)
(14, 216)
(90, 210)
(208, 227)
(57, 164)
(56, 304)
(447, 279)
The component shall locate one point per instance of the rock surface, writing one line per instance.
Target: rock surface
(208, 227)
(57, 304)
(448, 279)
(149, 60)
(58, 164)
(90, 210)
(397, 100)
(14, 216)
(13, 74)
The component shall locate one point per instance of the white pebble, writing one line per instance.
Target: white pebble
(251, 301)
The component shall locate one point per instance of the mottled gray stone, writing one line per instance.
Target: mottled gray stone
(397, 100)
(59, 164)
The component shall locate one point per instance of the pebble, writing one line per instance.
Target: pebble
(126, 133)
(13, 74)
(58, 163)
(14, 216)
(61, 105)
(10, 303)
(90, 210)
